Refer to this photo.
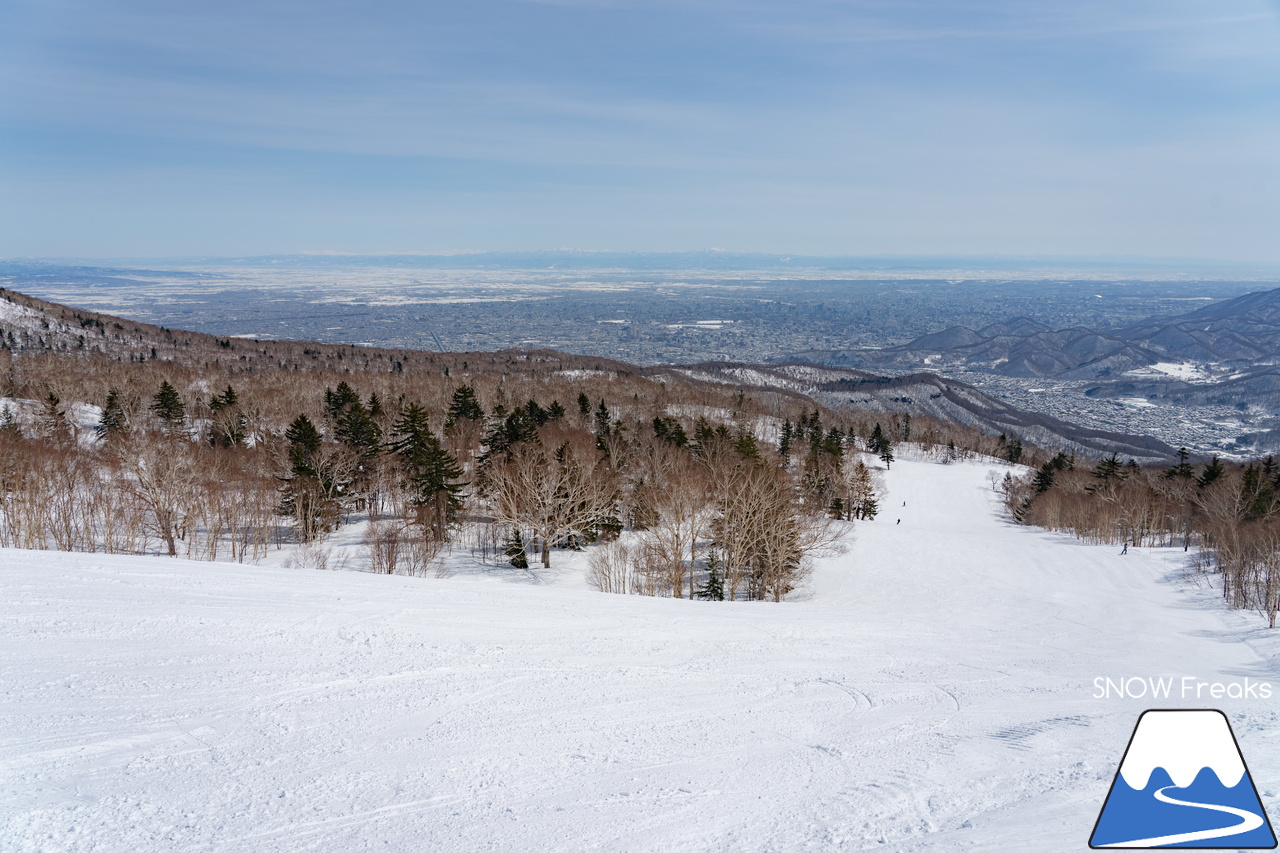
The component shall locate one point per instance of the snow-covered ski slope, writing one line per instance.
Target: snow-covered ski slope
(932, 689)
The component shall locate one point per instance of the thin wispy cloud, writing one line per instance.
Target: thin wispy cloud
(818, 126)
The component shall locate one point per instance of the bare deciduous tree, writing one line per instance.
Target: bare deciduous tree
(552, 493)
(676, 496)
(765, 535)
(161, 477)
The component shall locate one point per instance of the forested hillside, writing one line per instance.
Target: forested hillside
(130, 438)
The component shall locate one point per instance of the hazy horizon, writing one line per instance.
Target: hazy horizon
(697, 261)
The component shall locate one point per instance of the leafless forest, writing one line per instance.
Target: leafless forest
(128, 438)
(1227, 514)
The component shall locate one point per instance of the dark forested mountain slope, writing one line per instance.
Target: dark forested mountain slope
(1240, 331)
(930, 395)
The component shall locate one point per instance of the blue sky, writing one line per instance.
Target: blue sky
(1086, 128)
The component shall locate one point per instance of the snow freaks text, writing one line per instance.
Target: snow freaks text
(1184, 687)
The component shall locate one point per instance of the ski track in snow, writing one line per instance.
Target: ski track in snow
(931, 689)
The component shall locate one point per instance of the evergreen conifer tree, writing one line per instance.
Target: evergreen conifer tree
(1062, 462)
(430, 472)
(309, 489)
(56, 425)
(536, 413)
(670, 430)
(603, 424)
(1013, 451)
(1109, 468)
(745, 444)
(713, 588)
(834, 443)
(703, 433)
(498, 439)
(1213, 469)
(112, 419)
(876, 441)
(357, 429)
(1257, 493)
(881, 446)
(1043, 481)
(784, 440)
(228, 426)
(338, 399)
(676, 434)
(304, 444)
(515, 551)
(508, 430)
(1183, 469)
(225, 400)
(463, 406)
(886, 453)
(169, 408)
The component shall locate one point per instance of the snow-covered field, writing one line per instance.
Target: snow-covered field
(932, 689)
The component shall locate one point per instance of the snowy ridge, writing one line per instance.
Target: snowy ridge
(1183, 743)
(19, 315)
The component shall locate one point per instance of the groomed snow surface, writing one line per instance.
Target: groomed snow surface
(931, 689)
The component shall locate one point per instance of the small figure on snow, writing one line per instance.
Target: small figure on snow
(899, 521)
(1125, 549)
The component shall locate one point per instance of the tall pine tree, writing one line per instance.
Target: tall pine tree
(112, 420)
(1213, 469)
(228, 426)
(357, 428)
(338, 399)
(1183, 469)
(169, 408)
(464, 406)
(430, 472)
(311, 489)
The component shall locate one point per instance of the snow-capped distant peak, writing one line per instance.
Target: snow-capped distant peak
(1183, 743)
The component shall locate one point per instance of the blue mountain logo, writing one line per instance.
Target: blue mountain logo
(1183, 783)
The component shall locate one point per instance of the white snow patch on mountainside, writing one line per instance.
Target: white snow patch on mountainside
(931, 689)
(18, 315)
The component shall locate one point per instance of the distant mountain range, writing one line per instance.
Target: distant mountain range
(926, 394)
(1237, 334)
